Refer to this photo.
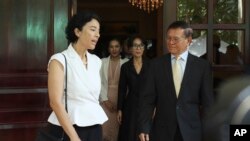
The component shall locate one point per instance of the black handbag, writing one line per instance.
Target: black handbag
(44, 134)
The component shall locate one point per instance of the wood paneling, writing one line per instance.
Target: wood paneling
(31, 31)
(18, 134)
(23, 80)
(22, 111)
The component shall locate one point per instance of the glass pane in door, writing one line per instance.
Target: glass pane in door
(192, 11)
(228, 11)
(228, 47)
(198, 46)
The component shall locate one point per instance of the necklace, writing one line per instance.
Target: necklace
(82, 55)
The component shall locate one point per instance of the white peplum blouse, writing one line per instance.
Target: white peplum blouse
(84, 85)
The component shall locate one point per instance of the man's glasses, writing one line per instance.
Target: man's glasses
(138, 46)
(175, 39)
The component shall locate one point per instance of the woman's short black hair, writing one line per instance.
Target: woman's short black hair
(78, 21)
(133, 37)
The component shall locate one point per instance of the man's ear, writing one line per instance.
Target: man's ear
(189, 40)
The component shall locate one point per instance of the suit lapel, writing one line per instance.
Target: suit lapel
(187, 72)
(168, 68)
(169, 75)
(166, 75)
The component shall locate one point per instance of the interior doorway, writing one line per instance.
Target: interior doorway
(120, 19)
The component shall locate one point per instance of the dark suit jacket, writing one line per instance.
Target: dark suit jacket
(195, 97)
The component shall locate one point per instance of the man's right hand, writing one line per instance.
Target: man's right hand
(144, 137)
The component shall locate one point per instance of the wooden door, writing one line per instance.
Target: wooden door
(31, 31)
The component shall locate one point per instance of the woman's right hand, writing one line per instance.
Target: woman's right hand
(119, 116)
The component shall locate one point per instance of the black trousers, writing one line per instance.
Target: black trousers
(90, 133)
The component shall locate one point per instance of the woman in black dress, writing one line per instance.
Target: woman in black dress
(128, 91)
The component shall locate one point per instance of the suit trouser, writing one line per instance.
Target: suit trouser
(90, 133)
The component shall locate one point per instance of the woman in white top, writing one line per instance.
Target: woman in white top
(110, 73)
(85, 116)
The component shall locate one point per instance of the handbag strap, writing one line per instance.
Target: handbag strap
(66, 82)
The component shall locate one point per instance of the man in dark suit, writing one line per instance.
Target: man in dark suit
(177, 105)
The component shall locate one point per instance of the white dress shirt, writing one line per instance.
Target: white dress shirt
(84, 85)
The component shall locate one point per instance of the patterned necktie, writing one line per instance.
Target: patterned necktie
(177, 75)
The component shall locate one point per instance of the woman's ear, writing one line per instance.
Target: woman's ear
(77, 32)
